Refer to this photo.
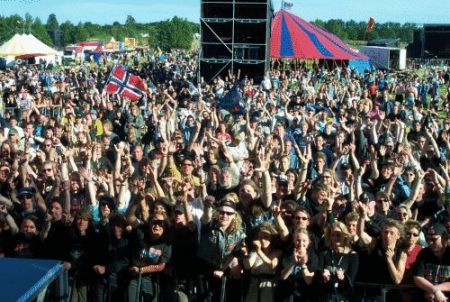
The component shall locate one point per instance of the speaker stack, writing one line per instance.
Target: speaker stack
(235, 36)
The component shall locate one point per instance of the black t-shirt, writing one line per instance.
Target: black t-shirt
(184, 252)
(333, 261)
(432, 268)
(148, 252)
(374, 267)
(56, 241)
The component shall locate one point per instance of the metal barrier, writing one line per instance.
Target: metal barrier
(52, 111)
(385, 288)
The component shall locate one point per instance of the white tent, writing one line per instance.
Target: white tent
(25, 45)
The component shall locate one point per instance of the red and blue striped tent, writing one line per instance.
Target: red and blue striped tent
(294, 38)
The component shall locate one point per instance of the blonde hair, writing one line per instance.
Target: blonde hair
(346, 239)
(235, 225)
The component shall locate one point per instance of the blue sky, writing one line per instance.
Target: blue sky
(108, 11)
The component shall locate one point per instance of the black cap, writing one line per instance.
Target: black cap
(346, 166)
(178, 208)
(108, 200)
(227, 203)
(366, 197)
(437, 229)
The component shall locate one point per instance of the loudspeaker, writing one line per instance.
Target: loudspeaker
(436, 41)
(235, 35)
(55, 35)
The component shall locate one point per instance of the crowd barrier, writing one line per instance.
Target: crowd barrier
(52, 111)
(197, 290)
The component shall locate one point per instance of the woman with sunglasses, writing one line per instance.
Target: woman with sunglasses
(412, 249)
(338, 263)
(150, 255)
(222, 236)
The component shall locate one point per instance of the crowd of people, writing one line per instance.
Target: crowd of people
(324, 185)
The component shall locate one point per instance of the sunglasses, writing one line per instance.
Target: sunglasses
(298, 218)
(411, 234)
(382, 200)
(336, 234)
(226, 213)
(158, 223)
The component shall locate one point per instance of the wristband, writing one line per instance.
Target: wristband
(437, 291)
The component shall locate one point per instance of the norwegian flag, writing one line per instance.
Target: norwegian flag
(125, 84)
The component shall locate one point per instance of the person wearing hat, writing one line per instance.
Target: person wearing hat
(221, 239)
(262, 262)
(30, 203)
(282, 190)
(432, 273)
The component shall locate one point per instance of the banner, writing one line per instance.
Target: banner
(125, 84)
(129, 42)
(370, 24)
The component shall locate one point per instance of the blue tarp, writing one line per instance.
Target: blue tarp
(360, 65)
(24, 279)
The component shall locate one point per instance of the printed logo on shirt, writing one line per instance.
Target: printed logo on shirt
(437, 273)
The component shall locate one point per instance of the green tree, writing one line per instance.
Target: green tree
(174, 33)
(67, 33)
(52, 22)
(39, 31)
(81, 33)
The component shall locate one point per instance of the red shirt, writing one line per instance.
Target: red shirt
(410, 261)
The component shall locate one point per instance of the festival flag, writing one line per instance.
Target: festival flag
(370, 24)
(125, 84)
(287, 5)
(232, 100)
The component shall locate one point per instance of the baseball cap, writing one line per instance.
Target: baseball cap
(283, 179)
(25, 191)
(178, 208)
(436, 229)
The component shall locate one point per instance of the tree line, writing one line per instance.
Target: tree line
(173, 33)
(356, 31)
